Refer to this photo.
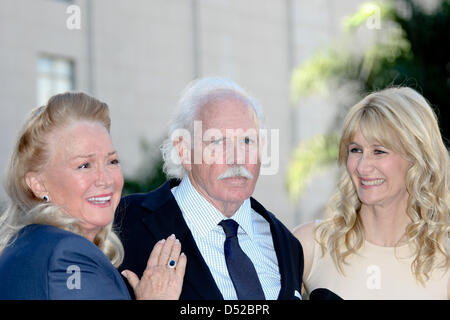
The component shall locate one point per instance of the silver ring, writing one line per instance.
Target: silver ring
(172, 264)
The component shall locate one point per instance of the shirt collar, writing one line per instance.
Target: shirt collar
(202, 216)
(243, 216)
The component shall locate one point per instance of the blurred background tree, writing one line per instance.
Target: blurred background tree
(150, 174)
(410, 47)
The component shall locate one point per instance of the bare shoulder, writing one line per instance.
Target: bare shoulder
(305, 234)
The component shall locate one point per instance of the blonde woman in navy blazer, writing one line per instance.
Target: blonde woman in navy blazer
(64, 183)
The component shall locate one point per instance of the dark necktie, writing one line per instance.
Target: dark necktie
(240, 267)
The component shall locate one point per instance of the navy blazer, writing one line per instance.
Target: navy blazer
(144, 219)
(46, 262)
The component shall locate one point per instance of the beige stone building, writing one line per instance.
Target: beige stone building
(138, 55)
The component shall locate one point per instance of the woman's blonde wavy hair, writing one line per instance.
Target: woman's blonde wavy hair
(401, 120)
(31, 154)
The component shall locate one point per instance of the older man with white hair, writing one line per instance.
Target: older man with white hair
(235, 248)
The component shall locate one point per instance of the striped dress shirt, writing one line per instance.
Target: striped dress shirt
(254, 237)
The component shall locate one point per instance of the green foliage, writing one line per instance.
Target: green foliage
(150, 175)
(410, 49)
(311, 156)
(427, 65)
(367, 11)
(340, 64)
(312, 76)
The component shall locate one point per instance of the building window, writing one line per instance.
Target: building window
(55, 75)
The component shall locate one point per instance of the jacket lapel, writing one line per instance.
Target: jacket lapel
(166, 219)
(279, 243)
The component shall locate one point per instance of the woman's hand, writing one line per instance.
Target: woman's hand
(160, 281)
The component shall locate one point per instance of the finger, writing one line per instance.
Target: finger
(154, 255)
(176, 250)
(181, 268)
(166, 250)
(131, 277)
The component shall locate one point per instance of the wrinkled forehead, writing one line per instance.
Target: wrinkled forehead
(78, 137)
(228, 113)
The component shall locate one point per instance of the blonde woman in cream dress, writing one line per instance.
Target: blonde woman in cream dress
(387, 237)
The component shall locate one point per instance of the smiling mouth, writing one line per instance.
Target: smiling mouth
(101, 200)
(374, 182)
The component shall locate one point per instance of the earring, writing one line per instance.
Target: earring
(46, 198)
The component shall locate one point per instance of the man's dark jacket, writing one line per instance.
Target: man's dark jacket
(144, 219)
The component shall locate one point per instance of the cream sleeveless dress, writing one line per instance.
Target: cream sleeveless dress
(375, 273)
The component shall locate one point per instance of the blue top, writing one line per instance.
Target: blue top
(46, 262)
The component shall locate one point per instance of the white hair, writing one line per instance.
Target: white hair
(196, 95)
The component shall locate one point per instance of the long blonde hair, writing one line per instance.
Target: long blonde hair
(401, 120)
(31, 154)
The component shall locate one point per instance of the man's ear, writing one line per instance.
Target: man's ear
(35, 183)
(184, 152)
